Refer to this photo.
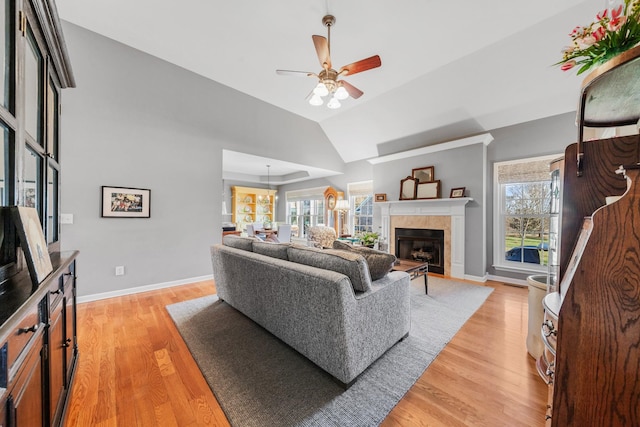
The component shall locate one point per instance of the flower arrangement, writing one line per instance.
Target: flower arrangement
(614, 31)
(369, 238)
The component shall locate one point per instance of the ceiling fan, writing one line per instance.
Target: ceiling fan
(328, 83)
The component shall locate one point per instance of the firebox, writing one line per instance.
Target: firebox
(419, 244)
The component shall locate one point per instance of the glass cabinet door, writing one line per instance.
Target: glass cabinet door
(33, 180)
(33, 84)
(6, 54)
(51, 226)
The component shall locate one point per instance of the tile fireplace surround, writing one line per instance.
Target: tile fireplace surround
(438, 214)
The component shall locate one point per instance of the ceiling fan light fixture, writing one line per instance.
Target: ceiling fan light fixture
(333, 103)
(328, 83)
(341, 93)
(315, 100)
(321, 90)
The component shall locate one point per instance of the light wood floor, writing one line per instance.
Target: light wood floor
(135, 370)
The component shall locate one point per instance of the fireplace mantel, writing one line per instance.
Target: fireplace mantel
(444, 207)
(454, 208)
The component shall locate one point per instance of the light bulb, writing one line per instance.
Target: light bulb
(315, 100)
(333, 104)
(321, 90)
(341, 93)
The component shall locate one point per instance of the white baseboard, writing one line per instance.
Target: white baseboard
(480, 279)
(509, 280)
(138, 289)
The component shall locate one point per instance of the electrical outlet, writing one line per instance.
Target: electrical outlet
(66, 218)
(120, 270)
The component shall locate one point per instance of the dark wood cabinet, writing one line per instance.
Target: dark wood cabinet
(61, 340)
(36, 375)
(25, 405)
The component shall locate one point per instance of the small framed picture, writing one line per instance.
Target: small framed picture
(125, 202)
(457, 192)
(381, 197)
(428, 190)
(425, 174)
(33, 243)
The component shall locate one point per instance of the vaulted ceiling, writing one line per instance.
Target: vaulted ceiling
(449, 68)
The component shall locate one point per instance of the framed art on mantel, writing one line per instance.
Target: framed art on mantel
(425, 174)
(408, 188)
(457, 192)
(428, 190)
(124, 202)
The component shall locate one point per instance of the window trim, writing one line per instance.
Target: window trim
(499, 263)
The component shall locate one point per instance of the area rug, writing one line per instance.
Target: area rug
(260, 381)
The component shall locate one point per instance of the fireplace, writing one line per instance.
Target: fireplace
(419, 244)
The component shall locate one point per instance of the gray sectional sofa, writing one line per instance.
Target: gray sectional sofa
(320, 302)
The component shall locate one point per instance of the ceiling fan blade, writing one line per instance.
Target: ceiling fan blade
(360, 66)
(322, 49)
(353, 91)
(295, 73)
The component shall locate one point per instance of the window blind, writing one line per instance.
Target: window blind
(316, 193)
(537, 170)
(363, 188)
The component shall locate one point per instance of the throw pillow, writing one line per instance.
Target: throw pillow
(238, 242)
(380, 263)
(351, 265)
(274, 250)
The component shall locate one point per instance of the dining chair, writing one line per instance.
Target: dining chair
(252, 233)
(284, 233)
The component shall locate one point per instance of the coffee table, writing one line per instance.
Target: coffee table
(414, 268)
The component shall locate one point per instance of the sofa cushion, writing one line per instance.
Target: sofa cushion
(274, 250)
(238, 242)
(350, 264)
(380, 263)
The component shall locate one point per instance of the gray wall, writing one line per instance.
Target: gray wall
(459, 167)
(138, 121)
(536, 138)
(135, 120)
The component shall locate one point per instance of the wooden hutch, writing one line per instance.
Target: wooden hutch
(249, 205)
(592, 324)
(38, 340)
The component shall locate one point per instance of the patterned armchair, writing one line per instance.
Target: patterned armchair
(320, 236)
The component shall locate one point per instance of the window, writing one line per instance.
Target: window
(360, 207)
(362, 218)
(305, 208)
(522, 213)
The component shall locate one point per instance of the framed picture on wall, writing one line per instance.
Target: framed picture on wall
(125, 202)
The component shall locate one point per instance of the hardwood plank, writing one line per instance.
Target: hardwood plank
(483, 377)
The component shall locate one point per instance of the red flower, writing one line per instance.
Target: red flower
(568, 65)
(600, 16)
(615, 13)
(615, 24)
(599, 33)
